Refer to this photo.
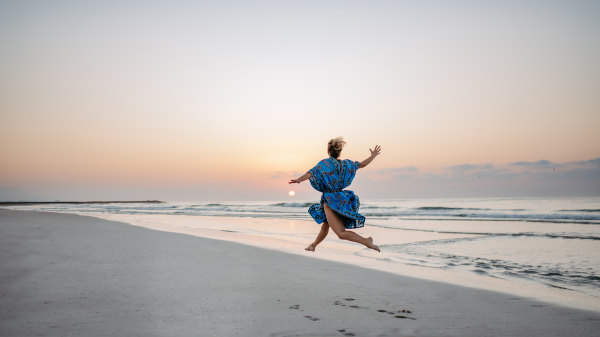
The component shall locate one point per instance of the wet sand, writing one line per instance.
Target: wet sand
(64, 274)
(292, 236)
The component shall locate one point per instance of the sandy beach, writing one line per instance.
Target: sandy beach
(292, 236)
(67, 275)
(299, 168)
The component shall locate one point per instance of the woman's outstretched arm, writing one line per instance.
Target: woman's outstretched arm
(306, 175)
(374, 153)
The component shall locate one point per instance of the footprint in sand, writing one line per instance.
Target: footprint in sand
(312, 318)
(351, 306)
(296, 306)
(343, 332)
(387, 312)
(399, 311)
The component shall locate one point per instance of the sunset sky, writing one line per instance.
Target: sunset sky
(228, 100)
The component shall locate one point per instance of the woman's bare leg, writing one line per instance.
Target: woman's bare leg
(320, 237)
(338, 228)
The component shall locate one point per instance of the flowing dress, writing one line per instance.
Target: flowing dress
(330, 176)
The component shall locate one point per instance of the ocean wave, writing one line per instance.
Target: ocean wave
(571, 212)
(100, 209)
(484, 215)
(439, 208)
(294, 204)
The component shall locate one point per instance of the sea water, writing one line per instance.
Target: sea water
(549, 241)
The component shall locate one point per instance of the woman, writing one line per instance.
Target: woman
(338, 208)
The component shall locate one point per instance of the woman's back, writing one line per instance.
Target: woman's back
(332, 175)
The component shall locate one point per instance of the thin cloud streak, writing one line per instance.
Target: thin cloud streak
(493, 180)
(591, 162)
(468, 167)
(540, 164)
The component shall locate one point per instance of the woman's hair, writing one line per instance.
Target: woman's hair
(335, 146)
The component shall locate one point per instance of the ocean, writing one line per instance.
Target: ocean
(550, 241)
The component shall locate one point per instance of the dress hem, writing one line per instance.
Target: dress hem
(358, 223)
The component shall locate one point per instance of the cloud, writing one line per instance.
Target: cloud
(463, 168)
(399, 169)
(581, 178)
(591, 162)
(487, 174)
(587, 174)
(540, 164)
(496, 174)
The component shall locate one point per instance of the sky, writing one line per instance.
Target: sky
(228, 100)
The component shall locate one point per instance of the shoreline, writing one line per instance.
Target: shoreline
(292, 236)
(66, 273)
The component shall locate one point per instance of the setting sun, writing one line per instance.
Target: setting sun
(292, 193)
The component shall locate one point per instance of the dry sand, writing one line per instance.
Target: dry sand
(65, 274)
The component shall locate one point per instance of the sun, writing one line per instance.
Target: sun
(292, 193)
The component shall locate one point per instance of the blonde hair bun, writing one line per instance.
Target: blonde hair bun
(335, 146)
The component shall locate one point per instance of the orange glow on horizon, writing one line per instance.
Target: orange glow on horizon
(175, 105)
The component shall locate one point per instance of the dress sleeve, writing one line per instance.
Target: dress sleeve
(357, 165)
(315, 172)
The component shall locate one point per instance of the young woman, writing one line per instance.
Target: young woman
(338, 208)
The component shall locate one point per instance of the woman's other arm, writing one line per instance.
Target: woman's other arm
(374, 153)
(306, 175)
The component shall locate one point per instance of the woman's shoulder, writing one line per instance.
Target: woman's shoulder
(329, 161)
(322, 163)
(353, 164)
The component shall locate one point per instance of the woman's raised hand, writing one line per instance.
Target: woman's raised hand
(376, 151)
(294, 181)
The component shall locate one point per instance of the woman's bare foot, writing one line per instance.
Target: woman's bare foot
(371, 245)
(310, 248)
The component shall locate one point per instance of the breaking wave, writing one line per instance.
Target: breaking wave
(294, 204)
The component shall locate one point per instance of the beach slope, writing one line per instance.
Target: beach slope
(63, 274)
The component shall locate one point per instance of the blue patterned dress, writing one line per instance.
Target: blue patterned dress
(331, 176)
